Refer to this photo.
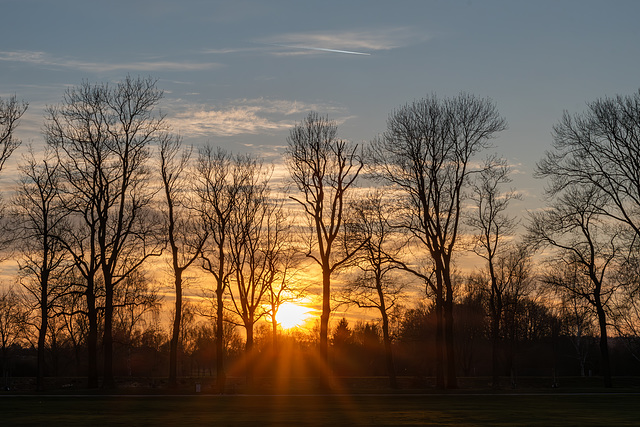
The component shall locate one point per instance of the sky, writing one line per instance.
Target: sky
(239, 74)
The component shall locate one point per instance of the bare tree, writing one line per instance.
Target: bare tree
(493, 226)
(600, 148)
(427, 152)
(184, 231)
(260, 244)
(81, 245)
(220, 179)
(43, 260)
(573, 226)
(371, 221)
(103, 134)
(324, 168)
(249, 226)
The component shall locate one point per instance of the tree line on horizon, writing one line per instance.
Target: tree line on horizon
(115, 189)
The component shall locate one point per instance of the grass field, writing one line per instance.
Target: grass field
(338, 410)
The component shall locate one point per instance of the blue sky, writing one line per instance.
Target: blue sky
(240, 73)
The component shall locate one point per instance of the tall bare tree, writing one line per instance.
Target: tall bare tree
(371, 221)
(259, 244)
(427, 152)
(219, 180)
(324, 168)
(493, 226)
(575, 229)
(42, 223)
(184, 230)
(599, 149)
(249, 225)
(103, 134)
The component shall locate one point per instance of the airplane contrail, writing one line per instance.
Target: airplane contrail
(322, 49)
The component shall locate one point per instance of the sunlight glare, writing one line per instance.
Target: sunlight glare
(292, 315)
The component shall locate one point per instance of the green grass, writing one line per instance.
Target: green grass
(459, 410)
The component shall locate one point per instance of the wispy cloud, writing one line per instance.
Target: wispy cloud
(45, 60)
(354, 42)
(351, 41)
(243, 116)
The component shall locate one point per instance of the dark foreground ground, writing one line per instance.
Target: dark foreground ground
(338, 402)
(335, 410)
(325, 385)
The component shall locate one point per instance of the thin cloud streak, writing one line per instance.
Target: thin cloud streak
(43, 59)
(321, 49)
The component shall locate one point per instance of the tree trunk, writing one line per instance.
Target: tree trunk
(324, 318)
(386, 338)
(248, 349)
(452, 380)
(604, 345)
(42, 333)
(108, 380)
(92, 338)
(220, 375)
(274, 326)
(391, 370)
(495, 304)
(439, 336)
(175, 335)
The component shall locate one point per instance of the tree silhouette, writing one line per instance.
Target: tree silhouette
(103, 135)
(184, 232)
(573, 226)
(42, 225)
(220, 179)
(371, 223)
(427, 152)
(493, 226)
(324, 168)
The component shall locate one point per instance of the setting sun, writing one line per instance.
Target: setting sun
(292, 315)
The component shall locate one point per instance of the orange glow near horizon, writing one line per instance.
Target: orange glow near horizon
(291, 315)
